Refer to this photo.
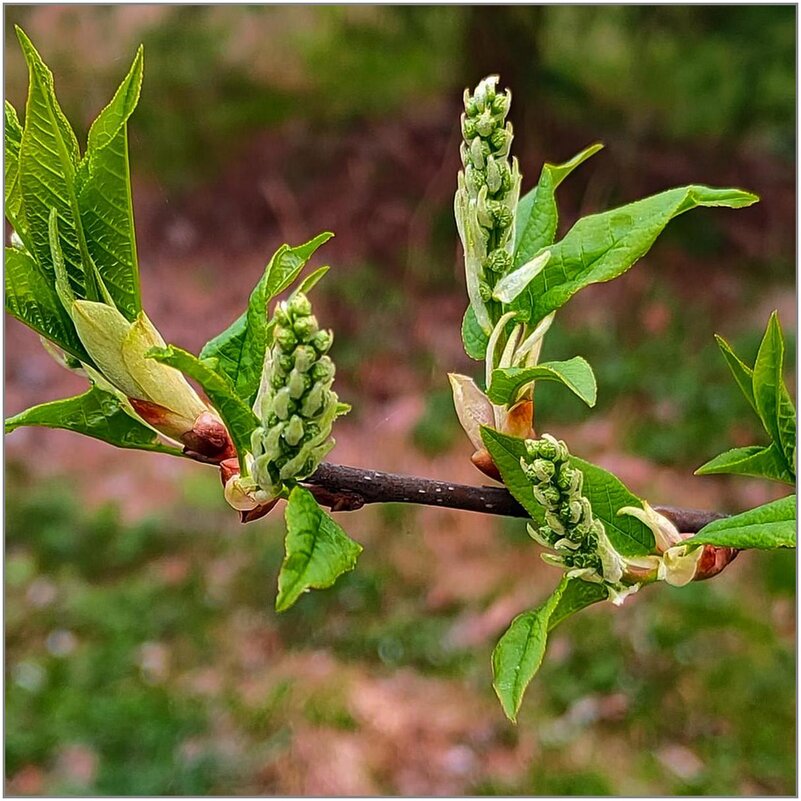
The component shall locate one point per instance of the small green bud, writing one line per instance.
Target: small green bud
(324, 370)
(305, 356)
(499, 261)
(501, 214)
(305, 327)
(285, 338)
(546, 496)
(322, 341)
(474, 179)
(299, 305)
(485, 123)
(281, 401)
(297, 384)
(543, 469)
(468, 127)
(293, 431)
(502, 103)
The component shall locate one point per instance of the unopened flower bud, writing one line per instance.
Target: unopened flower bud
(285, 337)
(299, 305)
(293, 431)
(305, 327)
(297, 384)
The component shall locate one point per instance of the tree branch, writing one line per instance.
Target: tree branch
(345, 489)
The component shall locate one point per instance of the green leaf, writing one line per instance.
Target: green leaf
(752, 461)
(96, 414)
(473, 336)
(537, 216)
(318, 551)
(311, 280)
(606, 493)
(48, 163)
(31, 298)
(772, 525)
(601, 247)
(772, 399)
(241, 347)
(518, 654)
(13, 192)
(743, 374)
(577, 596)
(235, 413)
(576, 374)
(104, 200)
(506, 452)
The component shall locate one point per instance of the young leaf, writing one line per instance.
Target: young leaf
(576, 374)
(752, 461)
(518, 654)
(241, 347)
(772, 525)
(772, 399)
(606, 493)
(537, 215)
(97, 414)
(512, 284)
(105, 196)
(13, 193)
(743, 374)
(601, 247)
(235, 413)
(31, 298)
(473, 336)
(578, 595)
(318, 551)
(311, 280)
(47, 165)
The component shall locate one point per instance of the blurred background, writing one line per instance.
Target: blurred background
(143, 655)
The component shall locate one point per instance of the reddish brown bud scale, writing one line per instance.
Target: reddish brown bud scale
(713, 561)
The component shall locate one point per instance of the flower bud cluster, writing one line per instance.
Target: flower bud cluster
(488, 191)
(296, 404)
(570, 528)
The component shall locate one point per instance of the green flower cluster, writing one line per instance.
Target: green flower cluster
(296, 404)
(570, 528)
(487, 195)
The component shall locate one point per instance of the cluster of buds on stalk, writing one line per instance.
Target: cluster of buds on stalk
(295, 404)
(485, 208)
(578, 542)
(486, 197)
(577, 538)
